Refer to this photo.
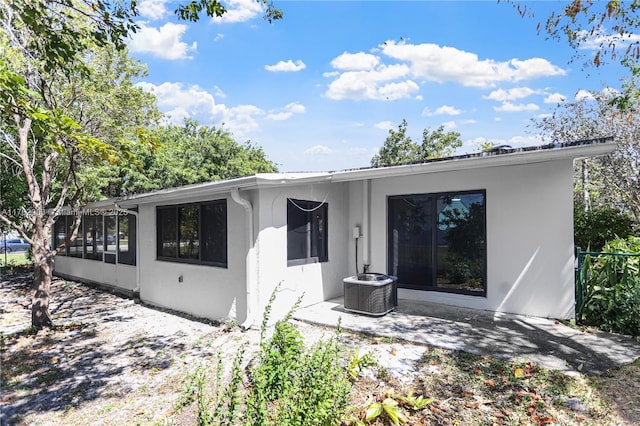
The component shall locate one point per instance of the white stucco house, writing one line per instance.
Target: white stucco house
(491, 231)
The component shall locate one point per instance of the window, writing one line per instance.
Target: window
(76, 246)
(111, 238)
(60, 234)
(93, 237)
(306, 232)
(438, 241)
(126, 239)
(193, 233)
(99, 237)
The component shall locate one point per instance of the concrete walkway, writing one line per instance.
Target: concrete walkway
(543, 341)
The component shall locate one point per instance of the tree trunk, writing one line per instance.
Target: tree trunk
(42, 277)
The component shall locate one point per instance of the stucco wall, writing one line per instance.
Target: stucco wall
(205, 291)
(317, 281)
(529, 210)
(116, 275)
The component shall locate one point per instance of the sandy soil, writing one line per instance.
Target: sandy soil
(110, 361)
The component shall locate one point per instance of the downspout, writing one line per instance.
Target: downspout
(136, 290)
(365, 225)
(235, 195)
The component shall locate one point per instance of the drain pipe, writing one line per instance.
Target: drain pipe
(235, 195)
(136, 290)
(365, 225)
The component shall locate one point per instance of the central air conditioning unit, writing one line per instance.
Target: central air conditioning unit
(371, 294)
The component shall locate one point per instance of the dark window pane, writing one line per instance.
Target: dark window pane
(214, 232)
(99, 249)
(60, 234)
(111, 238)
(127, 239)
(167, 232)
(319, 233)
(93, 241)
(193, 233)
(298, 230)
(75, 247)
(189, 219)
(461, 242)
(307, 231)
(411, 240)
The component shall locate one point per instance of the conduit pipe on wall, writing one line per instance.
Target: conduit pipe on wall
(365, 224)
(235, 195)
(136, 290)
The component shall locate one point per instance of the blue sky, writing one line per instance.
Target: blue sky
(320, 89)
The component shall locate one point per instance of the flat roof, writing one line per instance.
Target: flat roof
(498, 156)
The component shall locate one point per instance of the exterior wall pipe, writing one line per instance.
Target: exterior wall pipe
(365, 223)
(136, 290)
(235, 195)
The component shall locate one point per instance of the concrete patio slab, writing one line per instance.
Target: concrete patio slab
(546, 342)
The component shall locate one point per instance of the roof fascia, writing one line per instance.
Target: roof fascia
(509, 159)
(266, 180)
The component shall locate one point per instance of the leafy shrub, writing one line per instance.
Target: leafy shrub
(289, 384)
(592, 229)
(295, 385)
(612, 288)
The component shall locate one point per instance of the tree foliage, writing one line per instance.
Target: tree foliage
(67, 100)
(612, 180)
(594, 228)
(399, 148)
(605, 29)
(184, 155)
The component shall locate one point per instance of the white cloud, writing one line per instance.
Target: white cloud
(178, 102)
(288, 66)
(240, 11)
(502, 95)
(218, 93)
(509, 107)
(602, 38)
(355, 61)
(164, 42)
(447, 64)
(375, 84)
(449, 125)
(286, 112)
(152, 9)
(384, 125)
(318, 150)
(394, 91)
(584, 95)
(360, 76)
(218, 37)
(242, 119)
(443, 110)
(554, 98)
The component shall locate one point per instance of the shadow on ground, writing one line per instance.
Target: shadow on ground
(546, 342)
(93, 352)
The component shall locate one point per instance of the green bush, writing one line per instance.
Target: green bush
(592, 229)
(294, 385)
(288, 384)
(612, 288)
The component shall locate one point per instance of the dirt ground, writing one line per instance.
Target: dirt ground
(110, 361)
